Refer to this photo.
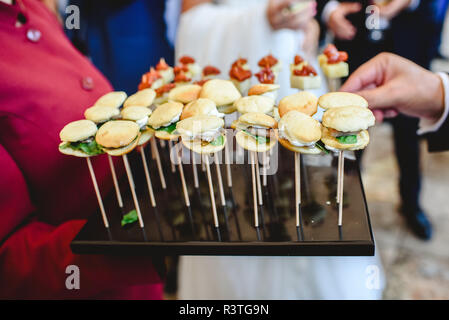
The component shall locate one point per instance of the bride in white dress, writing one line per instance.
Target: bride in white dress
(217, 33)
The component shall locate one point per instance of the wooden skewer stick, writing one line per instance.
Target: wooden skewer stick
(266, 161)
(195, 171)
(133, 190)
(170, 147)
(183, 180)
(211, 191)
(162, 143)
(253, 175)
(116, 185)
(297, 186)
(97, 192)
(228, 165)
(147, 176)
(334, 84)
(341, 178)
(259, 187)
(338, 178)
(220, 180)
(155, 151)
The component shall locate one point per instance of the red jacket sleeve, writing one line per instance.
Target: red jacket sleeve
(34, 255)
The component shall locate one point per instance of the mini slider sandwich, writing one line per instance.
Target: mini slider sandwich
(164, 118)
(270, 62)
(162, 93)
(240, 75)
(165, 71)
(142, 98)
(192, 67)
(333, 62)
(341, 99)
(201, 107)
(300, 133)
(113, 99)
(140, 116)
(265, 90)
(255, 104)
(101, 114)
(202, 134)
(78, 139)
(303, 101)
(223, 93)
(345, 128)
(185, 94)
(254, 131)
(152, 79)
(303, 76)
(118, 137)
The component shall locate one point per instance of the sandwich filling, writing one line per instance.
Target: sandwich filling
(283, 134)
(344, 137)
(213, 137)
(88, 146)
(169, 127)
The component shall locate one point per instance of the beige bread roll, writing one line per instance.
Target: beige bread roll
(142, 98)
(100, 114)
(222, 92)
(201, 148)
(112, 99)
(194, 126)
(165, 114)
(348, 119)
(78, 131)
(249, 143)
(117, 134)
(262, 88)
(200, 107)
(305, 102)
(333, 144)
(185, 93)
(135, 113)
(341, 99)
(254, 104)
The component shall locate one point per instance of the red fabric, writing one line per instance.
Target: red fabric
(44, 195)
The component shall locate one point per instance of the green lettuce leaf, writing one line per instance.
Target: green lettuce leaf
(218, 141)
(129, 218)
(259, 139)
(347, 139)
(320, 145)
(91, 148)
(168, 129)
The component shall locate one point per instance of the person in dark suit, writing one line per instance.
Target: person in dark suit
(394, 85)
(411, 29)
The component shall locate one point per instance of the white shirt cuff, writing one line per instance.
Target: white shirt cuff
(427, 126)
(330, 7)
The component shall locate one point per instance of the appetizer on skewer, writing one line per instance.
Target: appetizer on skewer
(78, 139)
(152, 79)
(254, 131)
(113, 99)
(255, 104)
(142, 98)
(303, 76)
(199, 107)
(185, 94)
(303, 101)
(333, 62)
(193, 68)
(266, 76)
(341, 99)
(140, 116)
(101, 114)
(164, 118)
(181, 76)
(118, 137)
(240, 75)
(167, 73)
(270, 62)
(223, 93)
(210, 72)
(162, 93)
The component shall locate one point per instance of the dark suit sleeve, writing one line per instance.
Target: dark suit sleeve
(439, 141)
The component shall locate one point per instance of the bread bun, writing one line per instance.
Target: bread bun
(185, 93)
(348, 119)
(78, 131)
(257, 119)
(303, 101)
(197, 125)
(341, 99)
(72, 152)
(99, 114)
(254, 104)
(249, 143)
(164, 114)
(262, 88)
(296, 126)
(117, 134)
(200, 107)
(222, 92)
(333, 143)
(112, 99)
(135, 113)
(164, 135)
(305, 150)
(142, 98)
(198, 147)
(145, 136)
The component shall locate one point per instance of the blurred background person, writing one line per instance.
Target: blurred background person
(411, 29)
(124, 38)
(217, 33)
(45, 196)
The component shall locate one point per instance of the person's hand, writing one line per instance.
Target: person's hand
(394, 84)
(339, 25)
(393, 8)
(280, 16)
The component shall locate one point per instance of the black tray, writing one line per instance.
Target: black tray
(172, 229)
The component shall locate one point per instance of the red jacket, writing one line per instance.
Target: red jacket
(44, 195)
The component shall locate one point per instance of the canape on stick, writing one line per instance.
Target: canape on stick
(78, 139)
(193, 68)
(164, 118)
(240, 75)
(303, 76)
(140, 116)
(300, 133)
(255, 104)
(270, 62)
(210, 72)
(152, 79)
(341, 99)
(162, 93)
(333, 62)
(113, 99)
(166, 72)
(222, 92)
(254, 131)
(266, 76)
(181, 78)
(101, 114)
(303, 101)
(199, 107)
(142, 98)
(185, 94)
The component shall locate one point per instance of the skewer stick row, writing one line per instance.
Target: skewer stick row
(148, 178)
(115, 180)
(97, 192)
(155, 151)
(133, 190)
(211, 191)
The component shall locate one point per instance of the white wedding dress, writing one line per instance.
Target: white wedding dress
(218, 34)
